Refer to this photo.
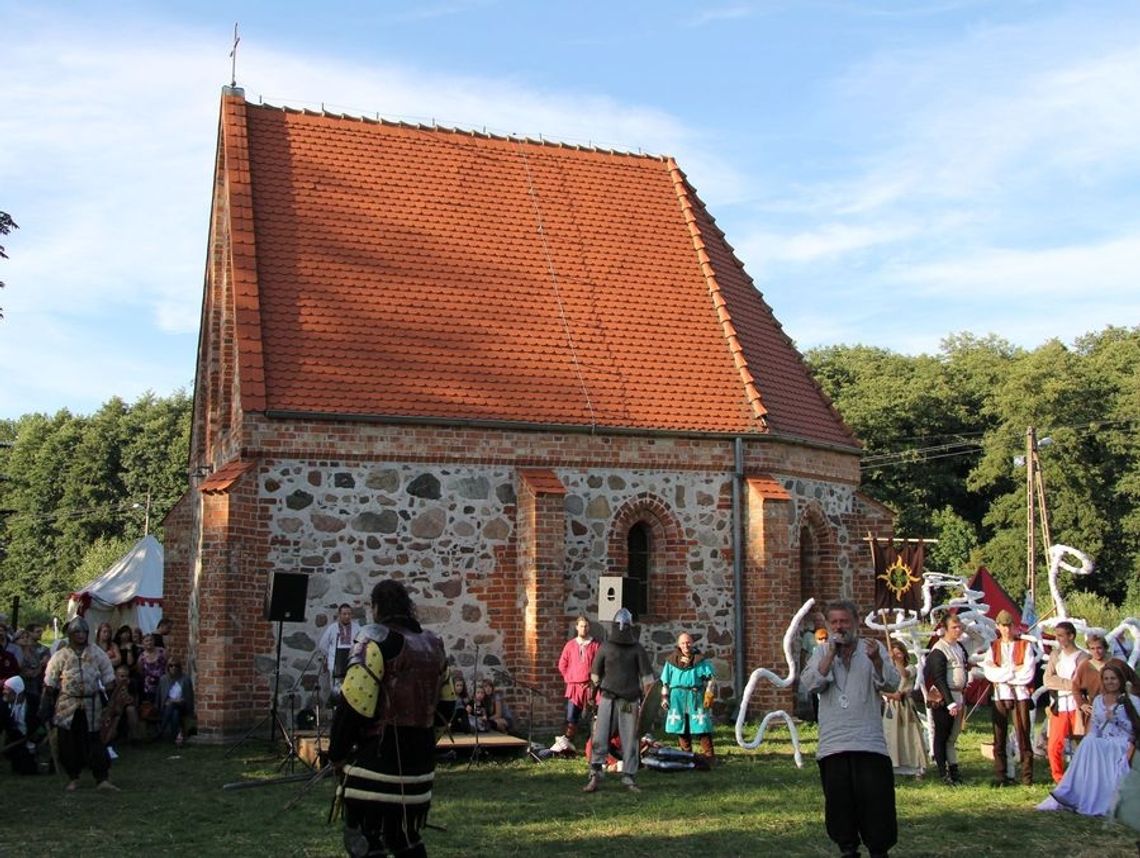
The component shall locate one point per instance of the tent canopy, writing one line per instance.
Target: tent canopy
(128, 593)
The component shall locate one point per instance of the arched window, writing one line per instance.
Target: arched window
(638, 550)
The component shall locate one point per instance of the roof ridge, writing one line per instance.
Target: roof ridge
(459, 131)
(735, 348)
(243, 253)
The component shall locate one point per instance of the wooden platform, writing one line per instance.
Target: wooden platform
(489, 741)
(461, 743)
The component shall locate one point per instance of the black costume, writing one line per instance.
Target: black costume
(396, 692)
(947, 667)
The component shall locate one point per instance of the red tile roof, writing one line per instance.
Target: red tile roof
(767, 487)
(393, 271)
(224, 477)
(542, 481)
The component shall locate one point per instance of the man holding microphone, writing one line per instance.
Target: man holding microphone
(854, 764)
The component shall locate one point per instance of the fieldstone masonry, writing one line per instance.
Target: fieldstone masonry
(501, 551)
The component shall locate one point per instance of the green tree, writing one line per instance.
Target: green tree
(6, 226)
(955, 553)
(76, 485)
(941, 434)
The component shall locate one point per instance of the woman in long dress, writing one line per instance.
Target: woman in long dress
(1103, 757)
(901, 726)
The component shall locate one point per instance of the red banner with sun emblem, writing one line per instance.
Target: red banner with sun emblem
(898, 574)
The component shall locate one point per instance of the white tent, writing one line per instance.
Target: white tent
(129, 593)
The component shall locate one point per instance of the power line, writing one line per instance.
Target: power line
(919, 455)
(80, 512)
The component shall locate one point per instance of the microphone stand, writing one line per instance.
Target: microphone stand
(293, 756)
(477, 752)
(530, 720)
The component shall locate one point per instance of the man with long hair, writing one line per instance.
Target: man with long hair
(396, 696)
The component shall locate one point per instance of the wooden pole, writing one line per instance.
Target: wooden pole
(1043, 509)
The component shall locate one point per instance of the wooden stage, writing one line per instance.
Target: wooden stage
(458, 744)
(489, 741)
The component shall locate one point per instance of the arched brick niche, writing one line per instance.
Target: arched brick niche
(660, 556)
(819, 569)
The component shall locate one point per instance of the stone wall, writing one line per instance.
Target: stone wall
(500, 562)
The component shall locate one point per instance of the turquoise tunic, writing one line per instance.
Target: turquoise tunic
(686, 697)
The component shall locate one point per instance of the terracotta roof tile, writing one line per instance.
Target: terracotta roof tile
(413, 272)
(224, 477)
(767, 487)
(543, 481)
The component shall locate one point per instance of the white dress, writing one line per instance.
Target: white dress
(1090, 784)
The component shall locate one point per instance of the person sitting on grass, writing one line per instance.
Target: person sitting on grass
(19, 726)
(175, 701)
(121, 715)
(1103, 757)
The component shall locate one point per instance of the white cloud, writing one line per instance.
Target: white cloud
(106, 155)
(709, 15)
(827, 240)
(1103, 271)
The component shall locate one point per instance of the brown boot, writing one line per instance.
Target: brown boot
(707, 748)
(686, 743)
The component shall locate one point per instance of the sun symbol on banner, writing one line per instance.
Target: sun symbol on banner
(899, 578)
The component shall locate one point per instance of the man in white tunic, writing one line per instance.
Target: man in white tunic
(1009, 666)
(1059, 673)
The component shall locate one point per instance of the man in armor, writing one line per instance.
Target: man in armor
(394, 698)
(622, 673)
(76, 678)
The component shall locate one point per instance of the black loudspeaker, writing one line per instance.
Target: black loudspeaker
(287, 594)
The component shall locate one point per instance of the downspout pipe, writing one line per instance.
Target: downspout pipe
(738, 562)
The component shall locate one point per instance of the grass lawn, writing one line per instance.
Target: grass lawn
(755, 803)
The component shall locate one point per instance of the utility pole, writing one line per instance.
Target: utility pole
(1036, 510)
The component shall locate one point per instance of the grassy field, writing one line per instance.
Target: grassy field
(755, 803)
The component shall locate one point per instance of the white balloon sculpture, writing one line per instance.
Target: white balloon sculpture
(979, 632)
(781, 682)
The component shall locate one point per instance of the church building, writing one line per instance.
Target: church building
(498, 370)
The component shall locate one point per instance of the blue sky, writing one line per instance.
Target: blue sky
(889, 172)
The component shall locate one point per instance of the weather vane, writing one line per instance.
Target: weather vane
(233, 57)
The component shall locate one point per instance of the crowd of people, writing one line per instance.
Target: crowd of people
(76, 703)
(93, 696)
(865, 695)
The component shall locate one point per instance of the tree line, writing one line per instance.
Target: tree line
(76, 492)
(940, 432)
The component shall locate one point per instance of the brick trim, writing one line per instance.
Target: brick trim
(670, 592)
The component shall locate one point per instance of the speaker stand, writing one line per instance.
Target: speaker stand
(273, 719)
